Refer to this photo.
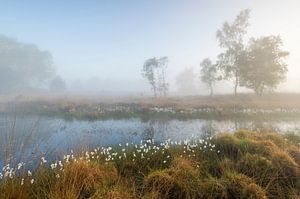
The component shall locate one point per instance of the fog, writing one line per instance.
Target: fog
(100, 48)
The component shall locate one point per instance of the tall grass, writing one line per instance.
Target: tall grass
(15, 139)
(241, 165)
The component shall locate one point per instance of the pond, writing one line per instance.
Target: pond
(27, 138)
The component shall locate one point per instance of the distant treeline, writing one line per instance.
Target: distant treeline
(257, 64)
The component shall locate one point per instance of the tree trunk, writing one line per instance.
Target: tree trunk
(154, 91)
(236, 83)
(164, 82)
(211, 91)
(235, 89)
(259, 91)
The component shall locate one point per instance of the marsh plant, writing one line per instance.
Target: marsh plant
(244, 164)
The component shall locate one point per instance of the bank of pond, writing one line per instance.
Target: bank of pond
(102, 111)
(244, 164)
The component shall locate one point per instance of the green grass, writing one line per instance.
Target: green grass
(244, 164)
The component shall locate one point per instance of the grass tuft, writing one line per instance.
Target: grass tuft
(244, 164)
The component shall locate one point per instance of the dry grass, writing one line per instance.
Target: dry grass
(267, 101)
(243, 165)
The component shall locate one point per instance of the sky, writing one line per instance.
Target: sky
(110, 39)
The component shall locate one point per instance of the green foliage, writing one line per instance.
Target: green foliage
(259, 65)
(264, 67)
(231, 38)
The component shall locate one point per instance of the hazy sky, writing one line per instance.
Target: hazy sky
(111, 39)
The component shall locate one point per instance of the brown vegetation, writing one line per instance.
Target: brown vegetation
(241, 165)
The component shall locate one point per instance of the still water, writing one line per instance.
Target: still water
(28, 138)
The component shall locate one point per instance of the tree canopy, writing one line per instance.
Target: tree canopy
(208, 74)
(186, 81)
(58, 84)
(265, 66)
(231, 39)
(23, 65)
(154, 70)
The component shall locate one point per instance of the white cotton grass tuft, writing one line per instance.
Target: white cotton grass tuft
(134, 152)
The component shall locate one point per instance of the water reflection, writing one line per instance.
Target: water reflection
(208, 129)
(28, 138)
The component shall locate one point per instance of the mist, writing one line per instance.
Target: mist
(191, 99)
(100, 48)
